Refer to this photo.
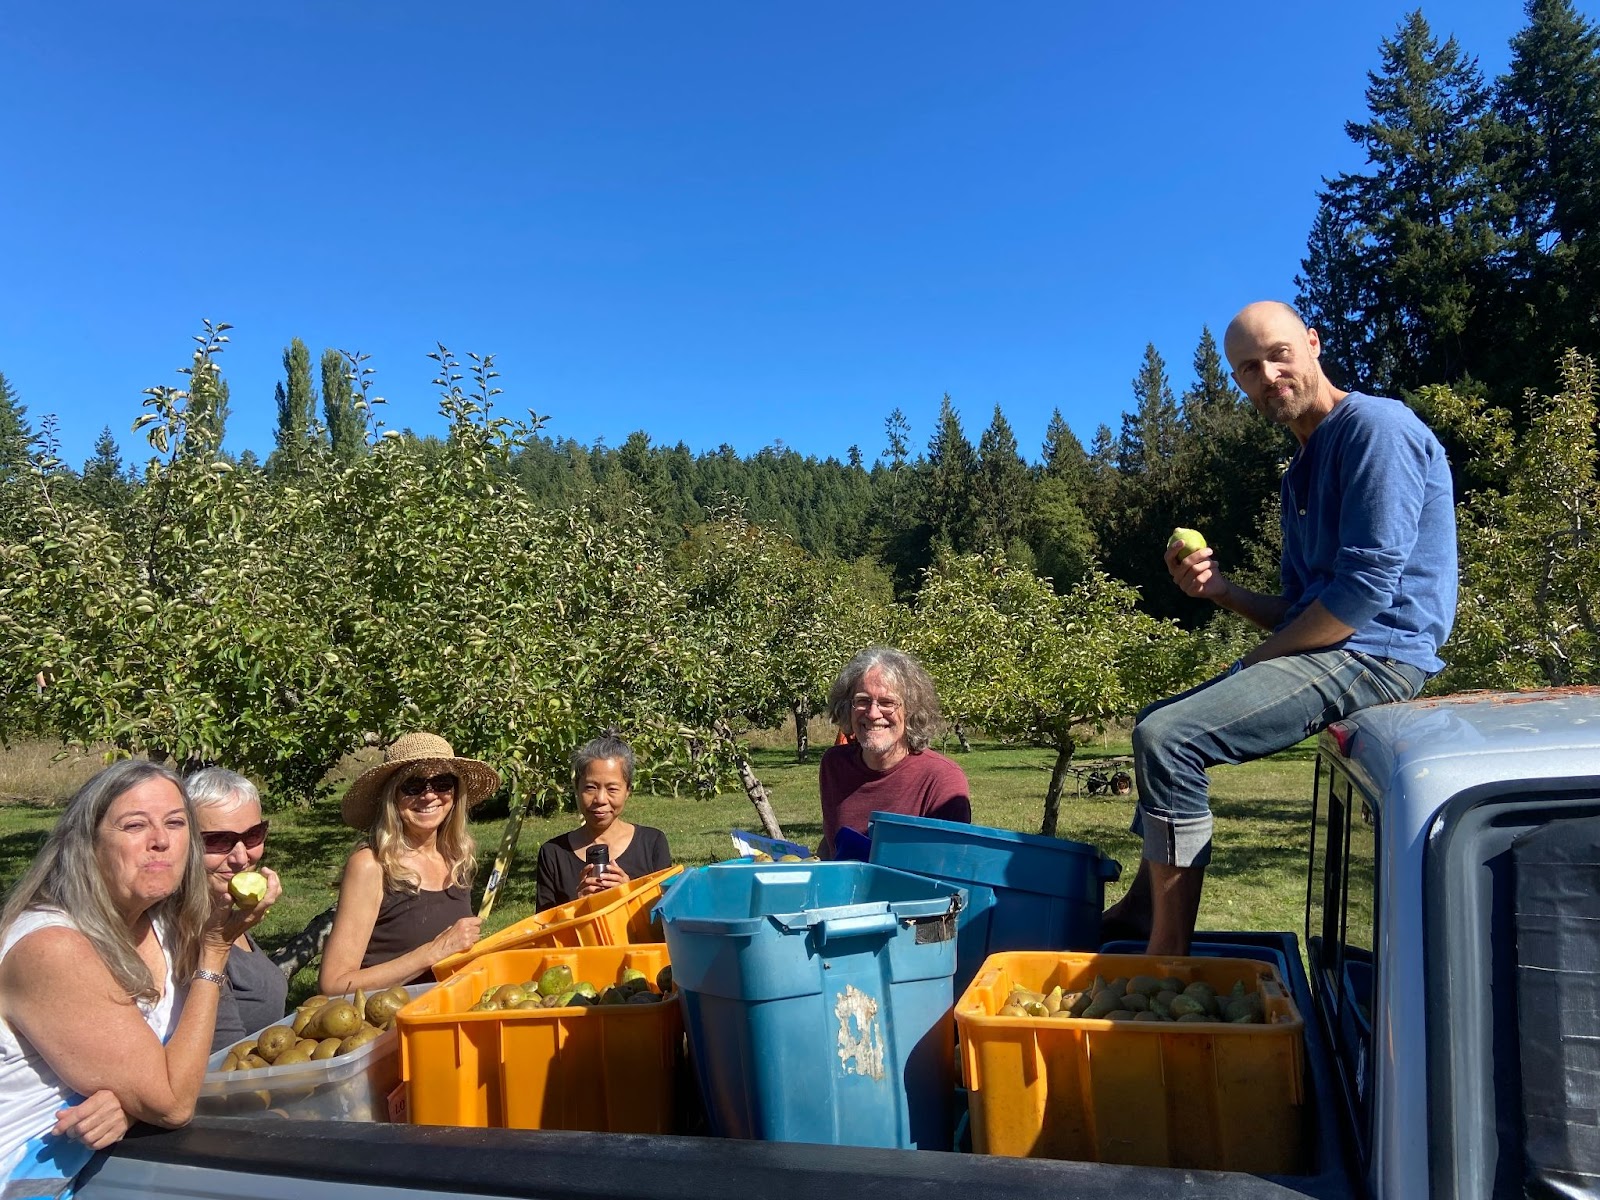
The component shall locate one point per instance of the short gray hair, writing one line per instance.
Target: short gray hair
(901, 672)
(608, 745)
(218, 787)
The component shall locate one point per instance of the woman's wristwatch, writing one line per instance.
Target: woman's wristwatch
(210, 976)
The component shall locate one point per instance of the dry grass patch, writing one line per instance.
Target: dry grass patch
(45, 773)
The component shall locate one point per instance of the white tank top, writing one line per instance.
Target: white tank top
(31, 1093)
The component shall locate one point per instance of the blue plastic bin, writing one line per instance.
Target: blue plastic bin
(1042, 893)
(817, 1000)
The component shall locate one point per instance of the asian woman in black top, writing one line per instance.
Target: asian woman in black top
(602, 778)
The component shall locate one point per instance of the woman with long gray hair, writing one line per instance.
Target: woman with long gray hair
(112, 952)
(886, 702)
(233, 835)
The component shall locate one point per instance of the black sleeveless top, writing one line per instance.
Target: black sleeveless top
(408, 919)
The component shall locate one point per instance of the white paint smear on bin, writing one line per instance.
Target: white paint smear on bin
(860, 1035)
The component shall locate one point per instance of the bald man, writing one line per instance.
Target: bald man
(1369, 595)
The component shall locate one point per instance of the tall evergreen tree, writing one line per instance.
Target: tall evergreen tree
(898, 432)
(1549, 99)
(345, 428)
(1413, 247)
(104, 481)
(1212, 391)
(1150, 432)
(16, 435)
(1001, 490)
(296, 397)
(948, 487)
(1062, 455)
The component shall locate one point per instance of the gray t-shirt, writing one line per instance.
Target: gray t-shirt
(255, 997)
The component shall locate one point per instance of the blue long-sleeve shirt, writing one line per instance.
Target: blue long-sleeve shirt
(1369, 529)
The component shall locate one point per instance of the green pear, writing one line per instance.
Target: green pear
(248, 888)
(1190, 539)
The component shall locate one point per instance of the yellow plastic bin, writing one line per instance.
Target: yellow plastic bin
(1204, 1096)
(607, 1068)
(621, 916)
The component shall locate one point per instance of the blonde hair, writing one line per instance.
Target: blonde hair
(387, 841)
(66, 875)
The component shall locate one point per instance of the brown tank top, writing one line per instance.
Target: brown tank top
(408, 919)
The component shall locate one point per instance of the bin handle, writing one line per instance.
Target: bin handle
(845, 927)
(717, 928)
(1110, 868)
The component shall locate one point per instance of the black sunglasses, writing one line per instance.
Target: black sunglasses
(442, 785)
(221, 841)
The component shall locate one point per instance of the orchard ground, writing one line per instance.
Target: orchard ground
(1256, 880)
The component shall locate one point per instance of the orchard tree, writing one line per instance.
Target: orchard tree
(1529, 612)
(1013, 657)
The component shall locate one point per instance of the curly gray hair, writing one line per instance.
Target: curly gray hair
(902, 673)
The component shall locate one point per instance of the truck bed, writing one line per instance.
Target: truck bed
(247, 1158)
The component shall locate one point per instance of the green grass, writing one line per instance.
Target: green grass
(1256, 880)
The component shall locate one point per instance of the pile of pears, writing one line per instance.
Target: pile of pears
(761, 856)
(321, 1028)
(1141, 998)
(556, 988)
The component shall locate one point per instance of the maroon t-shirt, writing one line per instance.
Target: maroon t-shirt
(919, 785)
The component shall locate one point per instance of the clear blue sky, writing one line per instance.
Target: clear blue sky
(736, 222)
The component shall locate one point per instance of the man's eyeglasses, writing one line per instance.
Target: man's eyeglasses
(439, 785)
(222, 841)
(888, 707)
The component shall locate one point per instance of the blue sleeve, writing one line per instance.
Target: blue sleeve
(1383, 467)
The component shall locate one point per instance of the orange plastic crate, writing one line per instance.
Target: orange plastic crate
(609, 1068)
(1206, 1096)
(618, 917)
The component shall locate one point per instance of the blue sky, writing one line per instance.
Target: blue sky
(733, 222)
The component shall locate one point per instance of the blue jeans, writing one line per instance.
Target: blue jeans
(1237, 718)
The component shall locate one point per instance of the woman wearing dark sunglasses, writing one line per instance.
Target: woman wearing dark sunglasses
(405, 900)
(234, 837)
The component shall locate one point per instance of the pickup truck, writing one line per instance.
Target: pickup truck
(1448, 979)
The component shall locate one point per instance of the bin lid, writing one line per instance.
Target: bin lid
(1000, 858)
(742, 898)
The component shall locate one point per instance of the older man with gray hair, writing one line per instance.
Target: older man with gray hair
(885, 701)
(1368, 598)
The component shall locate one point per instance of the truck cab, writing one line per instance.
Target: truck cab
(1428, 897)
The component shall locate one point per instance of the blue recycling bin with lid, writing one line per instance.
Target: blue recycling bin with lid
(1026, 892)
(817, 999)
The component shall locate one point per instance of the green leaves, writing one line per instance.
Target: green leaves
(1529, 614)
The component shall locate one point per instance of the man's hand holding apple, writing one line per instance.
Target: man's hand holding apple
(1193, 565)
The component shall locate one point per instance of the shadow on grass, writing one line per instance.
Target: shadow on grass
(16, 853)
(1260, 838)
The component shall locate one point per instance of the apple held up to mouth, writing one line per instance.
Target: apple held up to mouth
(248, 888)
(1190, 539)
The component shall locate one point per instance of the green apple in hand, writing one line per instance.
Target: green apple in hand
(248, 888)
(1190, 539)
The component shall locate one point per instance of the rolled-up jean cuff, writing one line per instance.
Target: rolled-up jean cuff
(1174, 841)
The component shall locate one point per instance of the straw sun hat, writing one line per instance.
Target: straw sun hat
(417, 754)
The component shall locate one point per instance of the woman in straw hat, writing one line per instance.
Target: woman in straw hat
(405, 900)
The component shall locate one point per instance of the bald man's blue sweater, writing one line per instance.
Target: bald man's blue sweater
(1369, 529)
